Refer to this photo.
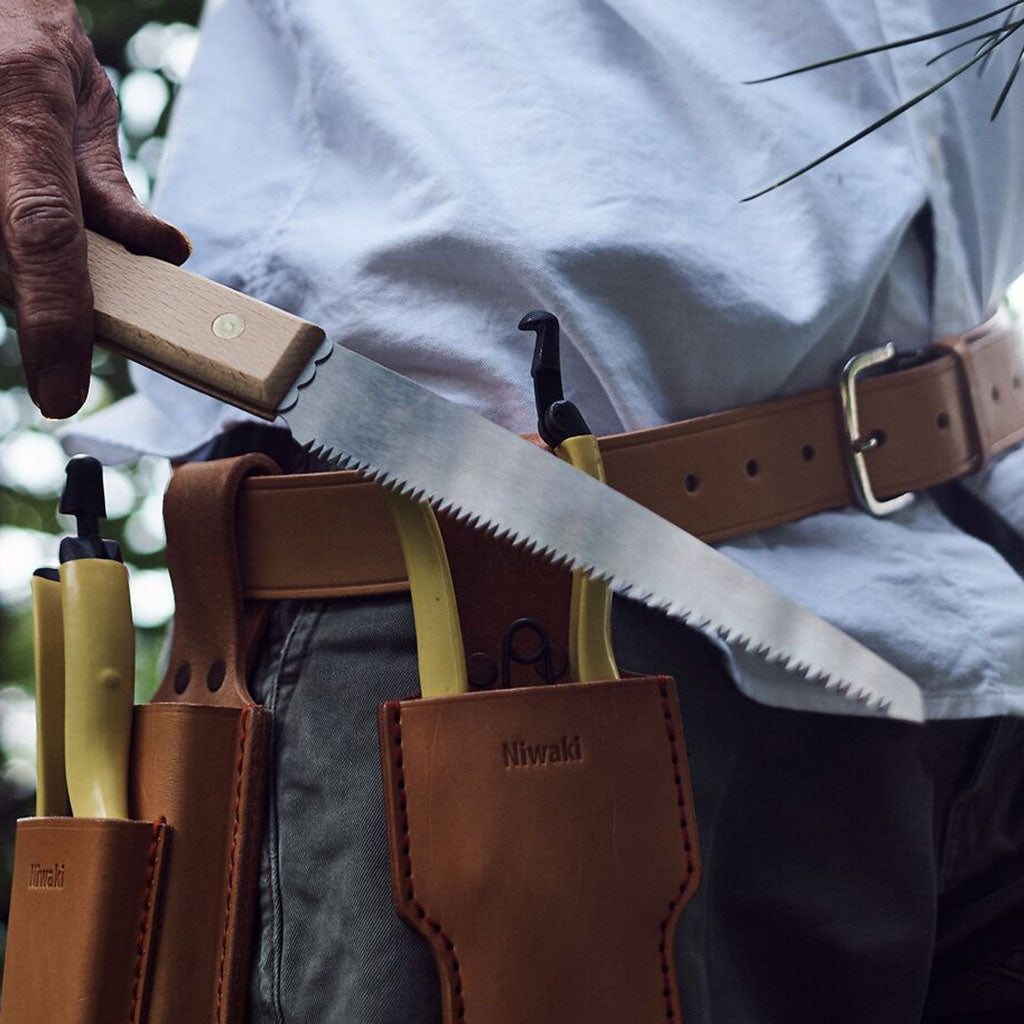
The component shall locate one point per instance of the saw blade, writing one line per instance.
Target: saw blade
(355, 413)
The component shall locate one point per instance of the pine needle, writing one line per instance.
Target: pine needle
(892, 115)
(886, 46)
(994, 34)
(989, 41)
(1006, 88)
(983, 66)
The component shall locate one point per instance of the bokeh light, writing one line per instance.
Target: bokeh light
(32, 461)
(144, 96)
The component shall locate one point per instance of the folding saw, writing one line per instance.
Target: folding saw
(358, 414)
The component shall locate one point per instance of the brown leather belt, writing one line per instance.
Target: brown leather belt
(718, 476)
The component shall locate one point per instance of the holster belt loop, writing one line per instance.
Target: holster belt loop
(971, 396)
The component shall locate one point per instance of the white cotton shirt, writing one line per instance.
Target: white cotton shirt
(414, 177)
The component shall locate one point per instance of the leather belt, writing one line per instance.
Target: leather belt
(718, 476)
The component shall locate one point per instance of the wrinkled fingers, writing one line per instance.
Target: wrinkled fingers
(41, 222)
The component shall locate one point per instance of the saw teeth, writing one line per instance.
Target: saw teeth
(691, 618)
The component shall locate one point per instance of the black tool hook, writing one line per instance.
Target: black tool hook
(557, 417)
(83, 498)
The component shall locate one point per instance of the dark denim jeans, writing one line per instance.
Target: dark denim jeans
(855, 870)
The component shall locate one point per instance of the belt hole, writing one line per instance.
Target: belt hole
(215, 676)
(942, 421)
(807, 452)
(691, 483)
(182, 676)
(995, 393)
(753, 468)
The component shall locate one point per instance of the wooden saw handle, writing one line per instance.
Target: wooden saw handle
(207, 336)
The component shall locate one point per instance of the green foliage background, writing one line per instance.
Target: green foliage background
(24, 505)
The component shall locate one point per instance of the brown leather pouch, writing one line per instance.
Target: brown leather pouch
(84, 925)
(84, 945)
(543, 843)
(199, 762)
(205, 769)
(200, 756)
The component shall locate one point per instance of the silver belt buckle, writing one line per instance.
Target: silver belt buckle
(857, 443)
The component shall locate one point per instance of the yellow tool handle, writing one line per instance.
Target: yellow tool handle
(48, 635)
(99, 675)
(198, 332)
(442, 658)
(590, 613)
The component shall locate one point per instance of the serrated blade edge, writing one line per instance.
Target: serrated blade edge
(354, 412)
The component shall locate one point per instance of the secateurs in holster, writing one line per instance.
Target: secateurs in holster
(139, 906)
(441, 658)
(542, 836)
(85, 662)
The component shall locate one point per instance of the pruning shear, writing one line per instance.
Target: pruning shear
(85, 662)
(562, 427)
(441, 657)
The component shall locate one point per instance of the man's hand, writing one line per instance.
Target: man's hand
(60, 169)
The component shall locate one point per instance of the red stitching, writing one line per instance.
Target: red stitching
(231, 860)
(405, 863)
(666, 708)
(147, 902)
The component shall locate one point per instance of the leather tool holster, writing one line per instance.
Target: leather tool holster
(542, 834)
(548, 891)
(543, 843)
(149, 921)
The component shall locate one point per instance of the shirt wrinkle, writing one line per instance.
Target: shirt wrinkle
(257, 277)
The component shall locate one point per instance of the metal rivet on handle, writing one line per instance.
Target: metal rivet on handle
(228, 326)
